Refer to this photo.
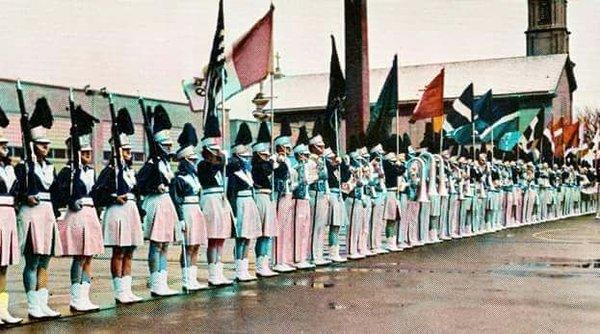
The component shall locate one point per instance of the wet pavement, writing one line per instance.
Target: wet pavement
(541, 278)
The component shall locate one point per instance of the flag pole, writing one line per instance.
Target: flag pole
(397, 131)
(271, 79)
(442, 135)
(492, 143)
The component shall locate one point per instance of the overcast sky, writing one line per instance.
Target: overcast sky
(150, 45)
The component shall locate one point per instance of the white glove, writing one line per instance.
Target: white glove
(78, 205)
(181, 225)
(162, 188)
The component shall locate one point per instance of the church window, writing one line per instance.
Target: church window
(544, 12)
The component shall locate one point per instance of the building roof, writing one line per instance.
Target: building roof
(505, 76)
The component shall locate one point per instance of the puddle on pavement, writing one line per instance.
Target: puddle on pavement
(550, 269)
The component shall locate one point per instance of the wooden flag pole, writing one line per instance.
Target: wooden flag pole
(442, 134)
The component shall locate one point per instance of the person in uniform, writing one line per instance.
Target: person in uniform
(159, 221)
(263, 164)
(319, 197)
(213, 202)
(377, 180)
(38, 232)
(364, 238)
(392, 170)
(80, 229)
(352, 169)
(283, 174)
(240, 192)
(114, 191)
(185, 192)
(337, 216)
(302, 178)
(9, 242)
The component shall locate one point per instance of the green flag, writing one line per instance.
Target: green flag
(384, 110)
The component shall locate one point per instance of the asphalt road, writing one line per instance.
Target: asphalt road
(540, 278)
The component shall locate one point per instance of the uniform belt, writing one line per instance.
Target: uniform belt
(334, 190)
(190, 200)
(392, 190)
(130, 197)
(87, 201)
(7, 201)
(215, 190)
(244, 193)
(43, 196)
(263, 191)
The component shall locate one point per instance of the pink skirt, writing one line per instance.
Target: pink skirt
(377, 224)
(247, 224)
(303, 230)
(81, 233)
(411, 219)
(9, 241)
(195, 225)
(284, 243)
(39, 224)
(356, 212)
(267, 213)
(123, 225)
(453, 213)
(218, 215)
(160, 218)
(392, 207)
(338, 216)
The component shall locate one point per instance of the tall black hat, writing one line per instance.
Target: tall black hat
(212, 133)
(263, 139)
(83, 123)
(3, 124)
(242, 140)
(188, 139)
(161, 126)
(285, 134)
(41, 120)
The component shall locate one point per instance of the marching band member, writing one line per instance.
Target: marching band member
(185, 192)
(338, 217)
(454, 174)
(114, 191)
(509, 195)
(38, 232)
(529, 198)
(379, 199)
(415, 188)
(283, 174)
(543, 179)
(9, 242)
(160, 217)
(392, 170)
(402, 239)
(352, 170)
(319, 197)
(240, 192)
(263, 165)
(364, 242)
(305, 175)
(80, 230)
(214, 204)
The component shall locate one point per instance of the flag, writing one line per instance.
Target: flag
(461, 112)
(557, 137)
(571, 135)
(507, 123)
(195, 92)
(214, 73)
(335, 99)
(532, 130)
(431, 103)
(508, 141)
(384, 110)
(251, 57)
(483, 110)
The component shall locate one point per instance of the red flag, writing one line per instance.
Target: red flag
(251, 58)
(571, 135)
(557, 136)
(431, 103)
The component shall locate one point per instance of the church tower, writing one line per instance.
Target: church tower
(547, 31)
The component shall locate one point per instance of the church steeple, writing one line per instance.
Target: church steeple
(547, 30)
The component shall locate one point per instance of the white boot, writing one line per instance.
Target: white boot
(391, 244)
(33, 305)
(241, 271)
(164, 286)
(43, 302)
(85, 296)
(213, 277)
(120, 297)
(262, 267)
(282, 268)
(76, 302)
(190, 281)
(334, 254)
(194, 276)
(158, 285)
(126, 282)
(224, 280)
(5, 316)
